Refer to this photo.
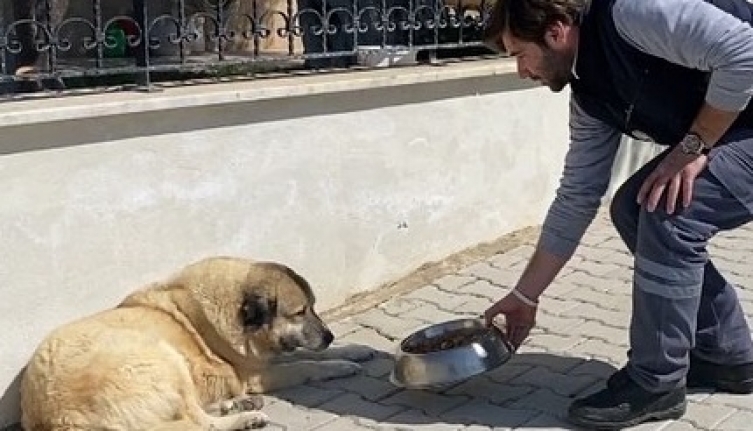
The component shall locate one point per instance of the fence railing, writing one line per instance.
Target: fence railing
(60, 45)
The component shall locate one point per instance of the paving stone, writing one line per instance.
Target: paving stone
(483, 428)
(505, 276)
(742, 402)
(486, 414)
(599, 331)
(560, 384)
(433, 295)
(343, 327)
(342, 424)
(306, 395)
(555, 305)
(651, 426)
(602, 299)
(508, 371)
(373, 339)
(509, 259)
(553, 342)
(410, 420)
(491, 390)
(355, 405)
(431, 314)
(379, 367)
(391, 327)
(547, 422)
(599, 269)
(453, 282)
(707, 416)
(297, 417)
(369, 388)
(545, 401)
(400, 305)
(617, 319)
(600, 350)
(558, 363)
(560, 288)
(598, 369)
(429, 403)
(474, 306)
(555, 324)
(485, 289)
(680, 425)
(740, 420)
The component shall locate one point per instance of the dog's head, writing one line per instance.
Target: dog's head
(259, 308)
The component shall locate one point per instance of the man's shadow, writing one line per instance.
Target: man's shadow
(531, 389)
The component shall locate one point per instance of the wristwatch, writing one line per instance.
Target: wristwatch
(693, 144)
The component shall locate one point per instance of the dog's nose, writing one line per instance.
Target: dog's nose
(328, 338)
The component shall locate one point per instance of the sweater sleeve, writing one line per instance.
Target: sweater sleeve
(695, 34)
(585, 179)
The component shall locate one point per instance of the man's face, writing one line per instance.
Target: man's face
(550, 64)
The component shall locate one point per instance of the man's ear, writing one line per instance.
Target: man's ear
(257, 311)
(555, 34)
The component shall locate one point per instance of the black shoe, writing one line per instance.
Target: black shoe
(625, 404)
(733, 379)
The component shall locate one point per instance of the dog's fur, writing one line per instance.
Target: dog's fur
(185, 354)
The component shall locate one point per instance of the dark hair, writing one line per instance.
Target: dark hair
(528, 20)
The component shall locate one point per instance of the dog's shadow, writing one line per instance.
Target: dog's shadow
(531, 389)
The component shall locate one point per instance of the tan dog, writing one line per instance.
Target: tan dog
(181, 355)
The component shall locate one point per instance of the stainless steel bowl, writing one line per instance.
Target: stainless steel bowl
(444, 367)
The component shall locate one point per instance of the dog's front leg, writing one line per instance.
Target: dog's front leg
(347, 352)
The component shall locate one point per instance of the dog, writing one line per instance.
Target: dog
(189, 353)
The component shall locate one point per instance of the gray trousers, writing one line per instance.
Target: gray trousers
(681, 303)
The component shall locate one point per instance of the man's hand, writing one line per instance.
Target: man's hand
(674, 176)
(519, 318)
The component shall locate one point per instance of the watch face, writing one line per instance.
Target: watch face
(692, 144)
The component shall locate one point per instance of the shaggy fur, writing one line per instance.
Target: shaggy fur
(185, 354)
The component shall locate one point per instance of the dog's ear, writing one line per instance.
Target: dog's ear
(257, 311)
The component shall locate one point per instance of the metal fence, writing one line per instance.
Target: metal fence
(55, 46)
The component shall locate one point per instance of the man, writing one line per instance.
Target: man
(680, 73)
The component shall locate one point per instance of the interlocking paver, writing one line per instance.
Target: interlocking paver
(434, 295)
(490, 390)
(741, 420)
(707, 416)
(370, 388)
(484, 413)
(427, 402)
(417, 420)
(579, 340)
(302, 419)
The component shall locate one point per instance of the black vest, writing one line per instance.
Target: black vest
(641, 95)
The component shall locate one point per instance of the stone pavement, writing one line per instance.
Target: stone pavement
(580, 339)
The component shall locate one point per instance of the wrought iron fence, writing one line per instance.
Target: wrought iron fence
(61, 44)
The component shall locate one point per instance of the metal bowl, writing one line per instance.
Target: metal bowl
(441, 367)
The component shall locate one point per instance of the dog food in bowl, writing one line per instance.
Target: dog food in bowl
(448, 352)
(451, 340)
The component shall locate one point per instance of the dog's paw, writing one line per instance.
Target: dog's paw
(337, 369)
(245, 403)
(355, 352)
(254, 420)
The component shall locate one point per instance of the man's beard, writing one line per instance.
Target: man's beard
(559, 67)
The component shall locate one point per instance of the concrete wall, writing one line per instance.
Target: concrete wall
(351, 188)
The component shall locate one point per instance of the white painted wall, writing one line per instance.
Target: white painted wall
(352, 190)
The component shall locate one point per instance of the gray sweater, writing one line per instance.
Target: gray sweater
(692, 33)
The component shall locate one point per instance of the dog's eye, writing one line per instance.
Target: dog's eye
(300, 313)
